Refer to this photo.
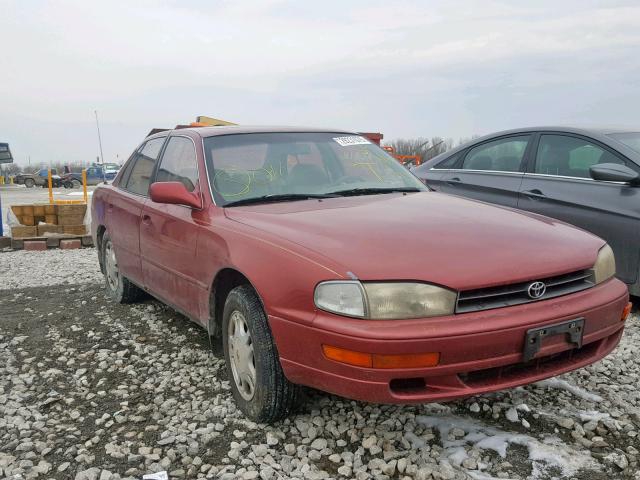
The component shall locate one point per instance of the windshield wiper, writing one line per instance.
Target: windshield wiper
(376, 190)
(284, 197)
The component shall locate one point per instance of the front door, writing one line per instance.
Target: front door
(559, 185)
(169, 234)
(491, 171)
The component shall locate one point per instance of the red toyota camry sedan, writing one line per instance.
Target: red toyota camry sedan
(320, 261)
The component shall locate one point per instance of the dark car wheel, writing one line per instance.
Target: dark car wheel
(259, 386)
(29, 182)
(118, 287)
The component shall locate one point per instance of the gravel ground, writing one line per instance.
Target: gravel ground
(94, 390)
(22, 269)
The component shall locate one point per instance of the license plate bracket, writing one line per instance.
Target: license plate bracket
(571, 329)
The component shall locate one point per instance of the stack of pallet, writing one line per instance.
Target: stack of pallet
(42, 220)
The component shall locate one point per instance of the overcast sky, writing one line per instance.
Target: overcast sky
(405, 69)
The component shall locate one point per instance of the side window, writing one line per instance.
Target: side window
(503, 155)
(179, 163)
(126, 169)
(142, 168)
(570, 156)
(449, 162)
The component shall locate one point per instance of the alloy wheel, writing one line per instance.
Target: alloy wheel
(111, 267)
(241, 355)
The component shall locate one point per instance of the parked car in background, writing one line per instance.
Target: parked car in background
(111, 169)
(321, 261)
(589, 178)
(38, 177)
(95, 176)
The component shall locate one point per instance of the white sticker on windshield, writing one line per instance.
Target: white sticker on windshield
(352, 140)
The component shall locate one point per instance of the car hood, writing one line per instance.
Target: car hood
(428, 237)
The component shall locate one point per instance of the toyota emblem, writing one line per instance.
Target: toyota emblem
(536, 290)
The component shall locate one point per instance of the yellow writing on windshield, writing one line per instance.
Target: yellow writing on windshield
(232, 182)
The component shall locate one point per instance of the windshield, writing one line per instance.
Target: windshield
(258, 165)
(630, 139)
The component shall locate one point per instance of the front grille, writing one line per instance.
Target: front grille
(516, 293)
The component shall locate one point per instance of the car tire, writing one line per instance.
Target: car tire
(119, 287)
(29, 182)
(252, 358)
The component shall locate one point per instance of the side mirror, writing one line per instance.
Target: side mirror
(174, 193)
(614, 172)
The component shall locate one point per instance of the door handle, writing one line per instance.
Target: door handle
(453, 181)
(110, 207)
(146, 219)
(535, 193)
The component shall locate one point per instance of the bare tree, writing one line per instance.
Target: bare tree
(11, 169)
(426, 148)
(467, 139)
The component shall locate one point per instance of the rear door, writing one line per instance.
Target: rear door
(490, 171)
(558, 184)
(124, 209)
(169, 233)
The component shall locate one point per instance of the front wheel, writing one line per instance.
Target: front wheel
(258, 384)
(118, 286)
(29, 182)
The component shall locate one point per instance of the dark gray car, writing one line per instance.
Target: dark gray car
(589, 178)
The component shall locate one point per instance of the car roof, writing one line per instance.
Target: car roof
(602, 130)
(240, 129)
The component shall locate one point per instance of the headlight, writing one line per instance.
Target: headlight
(605, 266)
(344, 298)
(408, 300)
(385, 301)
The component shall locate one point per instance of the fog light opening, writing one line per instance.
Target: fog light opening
(407, 385)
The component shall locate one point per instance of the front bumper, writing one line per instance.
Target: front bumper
(479, 352)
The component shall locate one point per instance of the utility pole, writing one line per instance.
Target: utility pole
(104, 177)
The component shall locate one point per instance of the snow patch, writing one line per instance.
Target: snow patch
(592, 415)
(551, 452)
(560, 384)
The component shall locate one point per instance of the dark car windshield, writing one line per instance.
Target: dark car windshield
(630, 139)
(289, 165)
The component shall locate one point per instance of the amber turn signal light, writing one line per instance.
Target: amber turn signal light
(376, 360)
(626, 311)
